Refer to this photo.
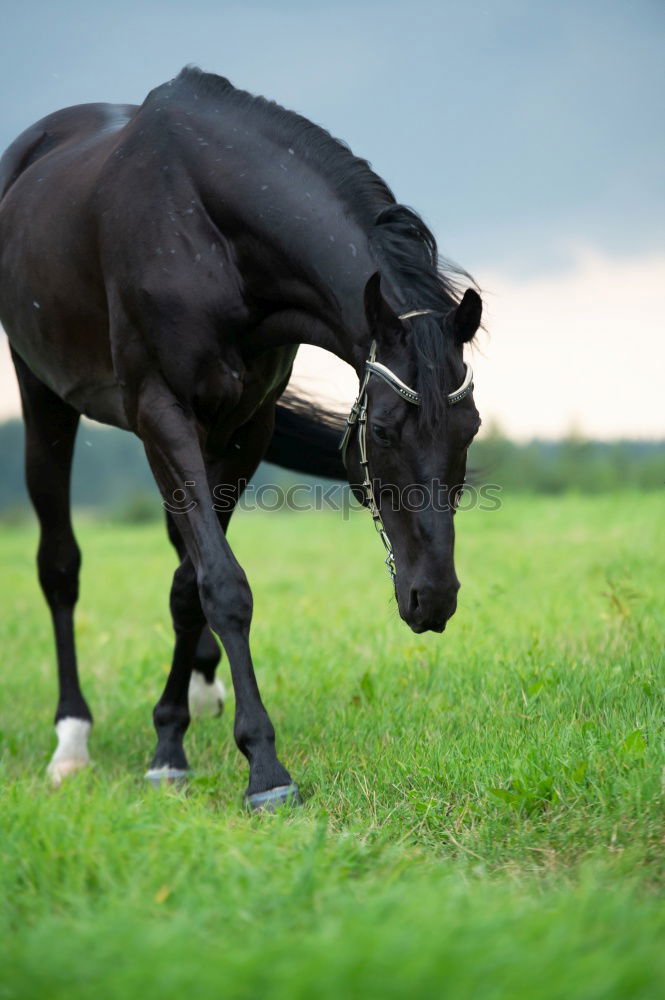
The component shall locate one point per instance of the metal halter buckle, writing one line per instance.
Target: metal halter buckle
(358, 415)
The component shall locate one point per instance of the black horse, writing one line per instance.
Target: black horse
(159, 266)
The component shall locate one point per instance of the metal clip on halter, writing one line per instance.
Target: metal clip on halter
(358, 415)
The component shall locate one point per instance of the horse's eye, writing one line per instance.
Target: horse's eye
(380, 432)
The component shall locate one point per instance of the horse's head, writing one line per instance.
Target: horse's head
(412, 451)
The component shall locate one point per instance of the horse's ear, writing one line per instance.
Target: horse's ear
(467, 316)
(380, 318)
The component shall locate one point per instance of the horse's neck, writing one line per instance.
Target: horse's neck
(291, 209)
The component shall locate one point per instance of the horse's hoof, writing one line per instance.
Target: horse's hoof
(58, 770)
(161, 776)
(205, 700)
(274, 798)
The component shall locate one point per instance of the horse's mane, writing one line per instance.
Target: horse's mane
(402, 243)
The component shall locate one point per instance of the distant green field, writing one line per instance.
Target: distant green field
(484, 810)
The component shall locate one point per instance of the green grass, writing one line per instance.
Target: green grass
(484, 810)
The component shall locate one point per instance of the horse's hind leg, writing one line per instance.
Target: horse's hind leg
(206, 691)
(50, 431)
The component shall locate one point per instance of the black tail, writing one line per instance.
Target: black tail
(306, 438)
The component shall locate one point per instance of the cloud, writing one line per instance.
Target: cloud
(10, 402)
(582, 349)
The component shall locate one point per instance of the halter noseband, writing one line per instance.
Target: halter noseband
(358, 415)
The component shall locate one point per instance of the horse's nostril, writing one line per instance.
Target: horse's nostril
(430, 607)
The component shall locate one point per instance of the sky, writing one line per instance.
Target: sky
(528, 134)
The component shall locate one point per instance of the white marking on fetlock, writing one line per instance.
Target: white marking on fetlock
(205, 699)
(71, 753)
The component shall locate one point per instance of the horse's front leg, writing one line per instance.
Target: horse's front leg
(173, 450)
(207, 693)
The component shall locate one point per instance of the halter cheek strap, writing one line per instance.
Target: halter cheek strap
(358, 415)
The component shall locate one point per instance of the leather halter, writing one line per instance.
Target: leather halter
(358, 415)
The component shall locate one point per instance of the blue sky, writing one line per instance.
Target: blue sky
(518, 129)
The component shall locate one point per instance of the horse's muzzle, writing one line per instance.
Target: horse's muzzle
(430, 607)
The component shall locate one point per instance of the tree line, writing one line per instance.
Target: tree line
(111, 474)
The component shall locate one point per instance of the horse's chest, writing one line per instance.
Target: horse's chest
(246, 390)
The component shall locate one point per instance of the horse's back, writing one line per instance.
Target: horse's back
(80, 123)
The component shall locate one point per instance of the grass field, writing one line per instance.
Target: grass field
(484, 809)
